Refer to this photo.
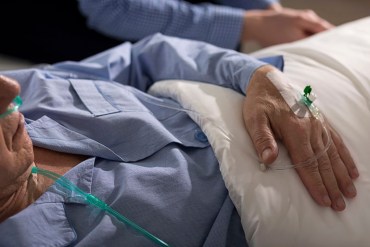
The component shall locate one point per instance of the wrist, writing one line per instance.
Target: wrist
(250, 23)
(254, 24)
(259, 78)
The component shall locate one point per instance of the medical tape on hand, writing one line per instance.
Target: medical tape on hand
(301, 103)
(289, 92)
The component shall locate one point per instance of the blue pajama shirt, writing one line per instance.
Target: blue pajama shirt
(150, 163)
(133, 20)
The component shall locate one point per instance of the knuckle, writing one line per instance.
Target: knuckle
(346, 183)
(297, 128)
(316, 144)
(309, 12)
(312, 168)
(317, 189)
(325, 167)
(262, 138)
(334, 158)
(250, 117)
(300, 17)
(332, 187)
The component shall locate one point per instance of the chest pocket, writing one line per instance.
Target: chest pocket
(93, 100)
(135, 131)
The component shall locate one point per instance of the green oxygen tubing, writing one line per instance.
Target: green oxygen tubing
(89, 199)
(92, 200)
(14, 106)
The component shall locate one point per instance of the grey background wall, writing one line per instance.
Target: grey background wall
(335, 11)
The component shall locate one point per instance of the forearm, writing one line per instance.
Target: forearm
(161, 57)
(136, 19)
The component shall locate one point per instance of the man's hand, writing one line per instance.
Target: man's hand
(268, 118)
(271, 27)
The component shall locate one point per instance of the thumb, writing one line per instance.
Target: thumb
(263, 139)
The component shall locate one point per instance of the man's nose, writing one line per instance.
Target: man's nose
(9, 89)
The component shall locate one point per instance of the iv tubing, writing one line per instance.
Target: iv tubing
(312, 108)
(308, 161)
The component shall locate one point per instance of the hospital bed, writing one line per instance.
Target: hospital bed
(275, 208)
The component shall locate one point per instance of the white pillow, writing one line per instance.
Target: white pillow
(275, 208)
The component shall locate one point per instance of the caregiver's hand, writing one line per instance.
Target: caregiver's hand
(268, 118)
(270, 27)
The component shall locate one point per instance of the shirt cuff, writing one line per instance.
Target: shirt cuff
(276, 61)
(226, 27)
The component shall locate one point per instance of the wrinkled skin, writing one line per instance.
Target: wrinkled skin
(18, 188)
(16, 153)
(268, 118)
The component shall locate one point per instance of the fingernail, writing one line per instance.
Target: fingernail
(351, 190)
(355, 172)
(340, 203)
(266, 154)
(326, 200)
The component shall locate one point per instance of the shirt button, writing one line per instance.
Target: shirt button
(200, 136)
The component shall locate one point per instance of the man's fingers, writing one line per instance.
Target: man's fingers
(303, 156)
(344, 154)
(332, 171)
(309, 173)
(313, 23)
(327, 177)
(262, 137)
(340, 170)
(343, 165)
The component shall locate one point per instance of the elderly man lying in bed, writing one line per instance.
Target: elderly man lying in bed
(92, 122)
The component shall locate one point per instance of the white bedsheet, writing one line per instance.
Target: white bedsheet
(275, 208)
